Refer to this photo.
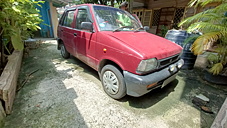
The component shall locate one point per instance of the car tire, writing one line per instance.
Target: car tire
(113, 82)
(64, 53)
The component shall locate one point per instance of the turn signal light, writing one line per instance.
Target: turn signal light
(148, 86)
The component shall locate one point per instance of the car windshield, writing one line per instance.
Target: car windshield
(113, 19)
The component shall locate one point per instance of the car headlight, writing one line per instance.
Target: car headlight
(147, 65)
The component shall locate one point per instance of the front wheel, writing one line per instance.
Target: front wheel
(64, 53)
(113, 82)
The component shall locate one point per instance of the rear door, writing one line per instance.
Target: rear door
(67, 30)
(86, 39)
(60, 25)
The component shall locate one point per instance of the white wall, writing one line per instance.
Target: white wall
(54, 19)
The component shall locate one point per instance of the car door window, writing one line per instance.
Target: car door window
(82, 16)
(68, 21)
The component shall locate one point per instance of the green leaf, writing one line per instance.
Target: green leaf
(198, 46)
(216, 68)
(15, 9)
(212, 57)
(16, 40)
(203, 40)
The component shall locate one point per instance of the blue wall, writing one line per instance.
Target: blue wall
(46, 25)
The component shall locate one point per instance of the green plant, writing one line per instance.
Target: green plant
(163, 30)
(18, 18)
(191, 38)
(213, 24)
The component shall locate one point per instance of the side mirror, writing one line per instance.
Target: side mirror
(146, 28)
(87, 26)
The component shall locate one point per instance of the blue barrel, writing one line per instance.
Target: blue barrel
(178, 37)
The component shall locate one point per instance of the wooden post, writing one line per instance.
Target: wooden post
(221, 119)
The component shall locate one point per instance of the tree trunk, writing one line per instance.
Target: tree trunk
(2, 54)
(101, 2)
(112, 3)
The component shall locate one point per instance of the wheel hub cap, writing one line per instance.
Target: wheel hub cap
(110, 82)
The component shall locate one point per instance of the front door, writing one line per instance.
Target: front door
(85, 38)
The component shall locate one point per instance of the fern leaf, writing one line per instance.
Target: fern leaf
(191, 19)
(204, 3)
(216, 68)
(210, 13)
(191, 39)
(220, 8)
(212, 57)
(195, 3)
(197, 47)
(203, 40)
(206, 26)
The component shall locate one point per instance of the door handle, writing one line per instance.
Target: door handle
(75, 34)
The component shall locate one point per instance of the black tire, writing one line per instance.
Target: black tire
(64, 53)
(113, 82)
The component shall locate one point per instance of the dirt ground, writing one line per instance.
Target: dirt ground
(54, 92)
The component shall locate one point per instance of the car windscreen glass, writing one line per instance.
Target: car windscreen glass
(112, 19)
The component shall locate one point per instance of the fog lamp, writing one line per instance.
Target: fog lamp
(179, 65)
(172, 68)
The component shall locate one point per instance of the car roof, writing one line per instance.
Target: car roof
(74, 7)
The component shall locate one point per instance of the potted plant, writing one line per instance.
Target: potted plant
(212, 23)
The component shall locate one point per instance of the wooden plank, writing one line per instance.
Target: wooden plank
(140, 1)
(8, 79)
(2, 115)
(147, 18)
(6, 75)
(2, 84)
(221, 119)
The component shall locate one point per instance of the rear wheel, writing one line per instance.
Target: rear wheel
(113, 82)
(64, 53)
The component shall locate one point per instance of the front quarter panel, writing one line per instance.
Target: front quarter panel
(112, 49)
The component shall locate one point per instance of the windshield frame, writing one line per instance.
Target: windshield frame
(130, 16)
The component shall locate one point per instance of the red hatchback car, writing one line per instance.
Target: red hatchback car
(128, 59)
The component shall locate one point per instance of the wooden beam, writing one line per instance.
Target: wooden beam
(8, 79)
(221, 119)
(130, 5)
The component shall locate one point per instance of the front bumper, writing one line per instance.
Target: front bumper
(137, 85)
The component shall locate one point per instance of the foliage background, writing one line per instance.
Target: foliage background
(213, 24)
(18, 19)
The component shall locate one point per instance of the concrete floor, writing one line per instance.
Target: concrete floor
(67, 93)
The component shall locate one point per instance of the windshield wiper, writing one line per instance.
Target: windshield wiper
(136, 30)
(118, 29)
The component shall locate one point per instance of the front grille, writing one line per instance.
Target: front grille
(168, 61)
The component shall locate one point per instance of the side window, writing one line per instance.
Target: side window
(82, 16)
(69, 19)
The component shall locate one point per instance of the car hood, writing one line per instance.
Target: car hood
(148, 45)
